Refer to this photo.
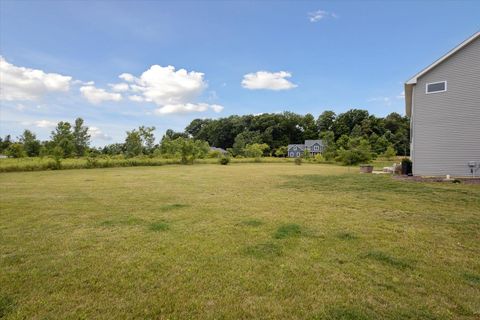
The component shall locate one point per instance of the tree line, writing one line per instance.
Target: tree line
(350, 137)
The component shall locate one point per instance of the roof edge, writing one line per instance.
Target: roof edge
(413, 80)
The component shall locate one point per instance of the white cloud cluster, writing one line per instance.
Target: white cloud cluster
(96, 95)
(96, 133)
(44, 124)
(188, 108)
(320, 15)
(173, 91)
(20, 83)
(268, 80)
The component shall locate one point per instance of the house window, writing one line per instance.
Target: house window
(292, 154)
(435, 87)
(298, 154)
(315, 148)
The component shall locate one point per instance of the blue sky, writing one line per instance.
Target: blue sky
(62, 60)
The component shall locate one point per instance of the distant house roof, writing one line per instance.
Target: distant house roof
(413, 80)
(300, 146)
(309, 143)
(218, 149)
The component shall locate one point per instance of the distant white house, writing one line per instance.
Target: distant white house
(2, 156)
(443, 103)
(222, 151)
(313, 147)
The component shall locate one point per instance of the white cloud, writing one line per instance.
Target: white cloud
(136, 98)
(173, 91)
(127, 77)
(20, 83)
(41, 124)
(96, 133)
(401, 95)
(165, 85)
(216, 108)
(320, 15)
(119, 87)
(96, 96)
(187, 108)
(268, 80)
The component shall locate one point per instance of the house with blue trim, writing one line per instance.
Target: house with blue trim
(313, 147)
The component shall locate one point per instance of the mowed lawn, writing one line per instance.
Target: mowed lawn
(243, 241)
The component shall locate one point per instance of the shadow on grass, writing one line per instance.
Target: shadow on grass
(124, 221)
(346, 236)
(264, 250)
(388, 260)
(252, 223)
(7, 304)
(472, 278)
(159, 226)
(375, 183)
(174, 206)
(288, 231)
(343, 313)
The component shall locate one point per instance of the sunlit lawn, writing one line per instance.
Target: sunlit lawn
(256, 241)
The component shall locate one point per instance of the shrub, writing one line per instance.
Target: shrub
(318, 158)
(224, 160)
(390, 153)
(359, 151)
(92, 162)
(298, 161)
(406, 166)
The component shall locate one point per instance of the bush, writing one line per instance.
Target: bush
(390, 153)
(318, 158)
(406, 166)
(224, 161)
(359, 151)
(298, 161)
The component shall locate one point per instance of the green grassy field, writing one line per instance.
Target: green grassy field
(250, 241)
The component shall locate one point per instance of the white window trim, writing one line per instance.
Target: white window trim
(315, 148)
(426, 87)
(298, 154)
(292, 154)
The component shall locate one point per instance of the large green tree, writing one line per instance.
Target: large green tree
(63, 138)
(30, 143)
(81, 137)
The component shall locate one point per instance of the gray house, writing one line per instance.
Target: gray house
(443, 103)
(312, 146)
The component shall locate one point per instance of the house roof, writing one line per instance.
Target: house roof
(413, 80)
(218, 149)
(300, 146)
(309, 143)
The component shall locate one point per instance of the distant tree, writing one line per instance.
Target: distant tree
(114, 149)
(63, 138)
(15, 150)
(186, 148)
(358, 151)
(325, 121)
(310, 129)
(389, 153)
(133, 144)
(81, 138)
(148, 138)
(243, 139)
(281, 151)
(345, 122)
(5, 143)
(255, 150)
(330, 149)
(30, 143)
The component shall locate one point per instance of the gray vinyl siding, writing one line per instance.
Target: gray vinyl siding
(446, 125)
